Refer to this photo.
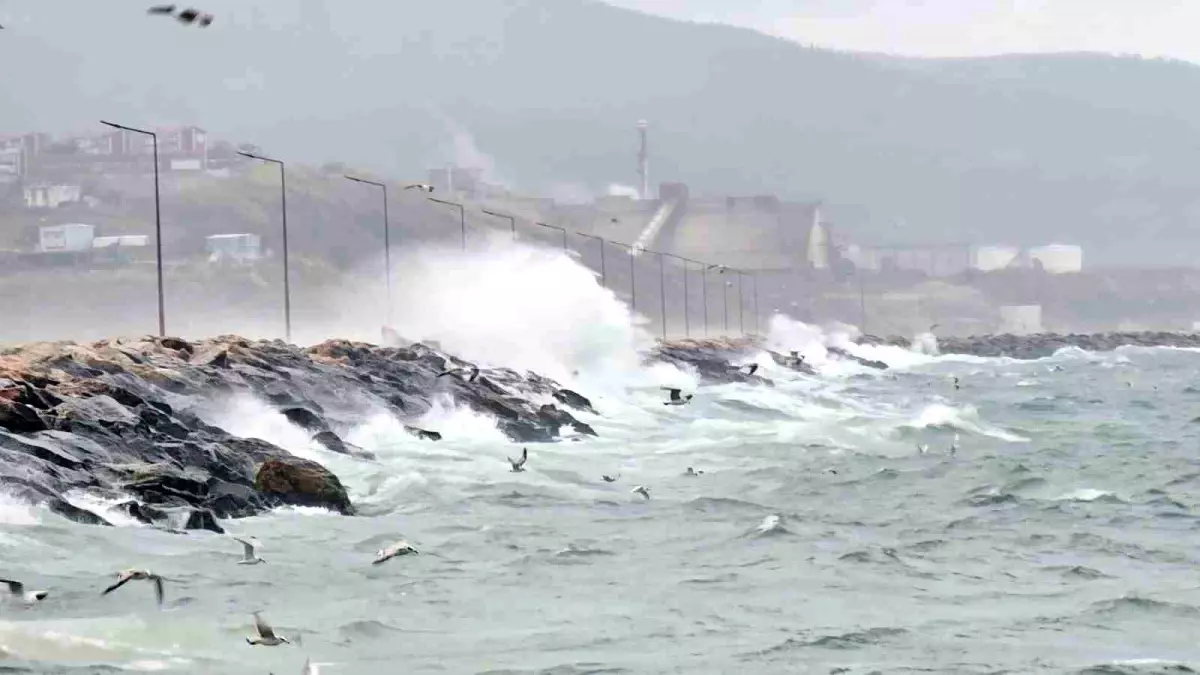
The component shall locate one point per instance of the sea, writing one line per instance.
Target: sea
(1034, 517)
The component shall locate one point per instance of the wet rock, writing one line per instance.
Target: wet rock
(300, 482)
(550, 413)
(334, 443)
(216, 356)
(868, 363)
(574, 400)
(233, 500)
(423, 434)
(20, 418)
(29, 491)
(202, 519)
(305, 419)
(176, 344)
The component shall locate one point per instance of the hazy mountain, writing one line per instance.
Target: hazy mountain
(1077, 148)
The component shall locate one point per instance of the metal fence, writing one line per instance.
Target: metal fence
(680, 297)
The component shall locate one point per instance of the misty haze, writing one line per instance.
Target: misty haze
(571, 336)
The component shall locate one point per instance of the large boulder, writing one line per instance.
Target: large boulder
(20, 418)
(300, 482)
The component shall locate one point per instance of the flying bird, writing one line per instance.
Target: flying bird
(397, 549)
(419, 186)
(162, 9)
(675, 398)
(17, 590)
(610, 479)
(692, 472)
(248, 556)
(266, 634)
(518, 465)
(751, 368)
(642, 490)
(138, 575)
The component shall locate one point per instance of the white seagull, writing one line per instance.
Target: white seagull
(138, 575)
(423, 187)
(397, 549)
(518, 465)
(675, 398)
(610, 479)
(17, 589)
(266, 634)
(248, 555)
(642, 490)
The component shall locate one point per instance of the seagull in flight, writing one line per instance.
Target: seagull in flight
(473, 370)
(751, 368)
(423, 187)
(518, 465)
(610, 479)
(692, 472)
(642, 490)
(17, 590)
(168, 10)
(248, 555)
(266, 634)
(675, 398)
(397, 549)
(138, 575)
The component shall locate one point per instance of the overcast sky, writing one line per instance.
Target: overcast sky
(960, 27)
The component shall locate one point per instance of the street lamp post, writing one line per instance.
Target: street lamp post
(387, 242)
(511, 221)
(757, 324)
(462, 218)
(662, 291)
(741, 302)
(162, 320)
(555, 227)
(603, 272)
(687, 324)
(287, 292)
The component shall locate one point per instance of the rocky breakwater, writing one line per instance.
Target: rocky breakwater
(123, 419)
(730, 360)
(1046, 344)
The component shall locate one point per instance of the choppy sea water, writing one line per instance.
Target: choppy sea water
(1060, 538)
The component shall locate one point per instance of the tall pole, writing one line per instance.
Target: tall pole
(741, 302)
(862, 301)
(512, 222)
(387, 243)
(462, 217)
(757, 325)
(687, 323)
(287, 291)
(704, 294)
(725, 299)
(603, 272)
(162, 319)
(632, 282)
(662, 292)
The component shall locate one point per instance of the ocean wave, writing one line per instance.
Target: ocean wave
(1136, 607)
(842, 642)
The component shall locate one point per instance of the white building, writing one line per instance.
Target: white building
(1057, 258)
(50, 196)
(992, 258)
(234, 247)
(71, 237)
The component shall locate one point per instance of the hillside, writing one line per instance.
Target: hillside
(1091, 149)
